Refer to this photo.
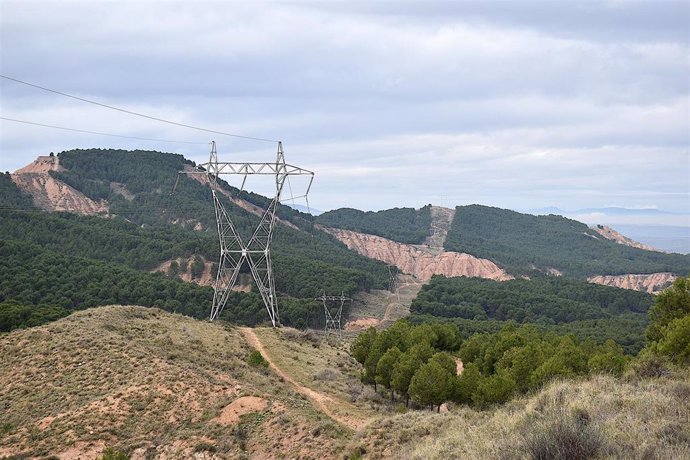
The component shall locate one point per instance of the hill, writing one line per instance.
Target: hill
(404, 225)
(142, 226)
(158, 385)
(523, 244)
(151, 384)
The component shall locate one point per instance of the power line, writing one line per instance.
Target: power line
(130, 112)
(98, 133)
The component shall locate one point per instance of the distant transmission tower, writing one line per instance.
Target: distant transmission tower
(393, 281)
(333, 321)
(234, 252)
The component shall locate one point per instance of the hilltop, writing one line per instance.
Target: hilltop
(156, 384)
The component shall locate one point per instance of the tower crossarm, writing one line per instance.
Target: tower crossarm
(266, 169)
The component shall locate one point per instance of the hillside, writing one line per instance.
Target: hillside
(523, 244)
(600, 417)
(555, 304)
(404, 225)
(157, 385)
(147, 228)
(151, 384)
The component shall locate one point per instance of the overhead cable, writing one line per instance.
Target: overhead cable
(130, 112)
(99, 133)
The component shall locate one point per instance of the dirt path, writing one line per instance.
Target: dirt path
(320, 400)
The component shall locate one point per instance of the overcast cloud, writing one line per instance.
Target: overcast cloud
(512, 104)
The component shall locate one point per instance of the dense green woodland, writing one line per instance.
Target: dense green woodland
(11, 196)
(416, 362)
(523, 244)
(38, 285)
(405, 225)
(141, 236)
(541, 300)
(554, 304)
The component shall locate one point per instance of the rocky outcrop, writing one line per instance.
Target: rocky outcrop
(652, 283)
(418, 260)
(43, 165)
(611, 234)
(51, 194)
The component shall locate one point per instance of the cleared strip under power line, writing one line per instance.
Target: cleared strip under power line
(134, 113)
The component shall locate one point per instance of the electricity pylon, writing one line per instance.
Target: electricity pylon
(234, 252)
(333, 321)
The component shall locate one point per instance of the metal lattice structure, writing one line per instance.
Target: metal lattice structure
(234, 251)
(393, 281)
(333, 320)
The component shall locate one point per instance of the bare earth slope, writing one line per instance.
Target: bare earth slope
(611, 234)
(51, 194)
(418, 260)
(652, 283)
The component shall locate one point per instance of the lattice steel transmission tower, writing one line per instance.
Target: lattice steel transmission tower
(333, 320)
(234, 251)
(393, 281)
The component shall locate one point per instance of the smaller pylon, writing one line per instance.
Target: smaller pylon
(333, 324)
(393, 281)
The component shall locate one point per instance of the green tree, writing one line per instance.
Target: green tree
(431, 384)
(407, 365)
(610, 359)
(670, 304)
(675, 340)
(361, 345)
(496, 389)
(385, 366)
(466, 384)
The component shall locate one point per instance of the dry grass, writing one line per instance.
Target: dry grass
(148, 383)
(326, 367)
(156, 385)
(602, 417)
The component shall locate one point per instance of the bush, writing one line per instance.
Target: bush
(255, 359)
(564, 436)
(112, 454)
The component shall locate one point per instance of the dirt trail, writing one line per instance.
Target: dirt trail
(320, 400)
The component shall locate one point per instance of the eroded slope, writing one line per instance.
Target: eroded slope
(51, 194)
(418, 260)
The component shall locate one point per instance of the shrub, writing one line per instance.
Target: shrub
(255, 359)
(564, 436)
(111, 453)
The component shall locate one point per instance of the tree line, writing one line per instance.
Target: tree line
(418, 362)
(404, 225)
(548, 300)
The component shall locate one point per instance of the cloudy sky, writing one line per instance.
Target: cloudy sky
(513, 104)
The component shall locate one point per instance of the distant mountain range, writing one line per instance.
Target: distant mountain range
(609, 211)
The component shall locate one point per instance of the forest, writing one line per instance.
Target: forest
(418, 362)
(404, 225)
(561, 305)
(38, 286)
(152, 225)
(529, 245)
(540, 300)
